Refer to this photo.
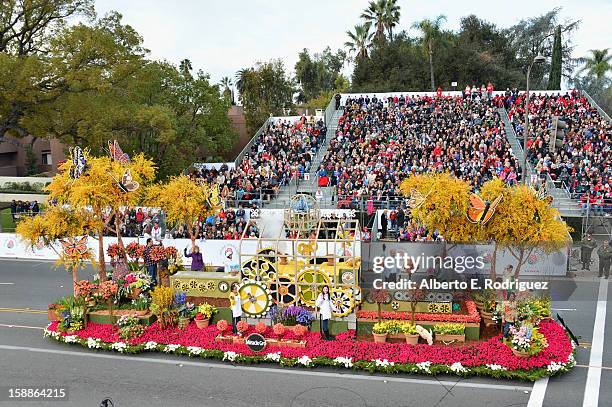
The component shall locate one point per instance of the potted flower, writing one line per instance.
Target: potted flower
(261, 328)
(242, 327)
(54, 311)
(449, 332)
(203, 314)
(526, 341)
(279, 330)
(185, 309)
(129, 327)
(409, 330)
(136, 282)
(299, 331)
(379, 331)
(223, 326)
(141, 305)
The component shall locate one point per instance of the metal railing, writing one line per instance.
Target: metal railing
(594, 104)
(248, 146)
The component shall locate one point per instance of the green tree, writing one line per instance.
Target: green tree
(317, 74)
(267, 90)
(228, 93)
(391, 17)
(360, 40)
(430, 34)
(554, 77)
(598, 64)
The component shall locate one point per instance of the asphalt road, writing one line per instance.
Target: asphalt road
(27, 359)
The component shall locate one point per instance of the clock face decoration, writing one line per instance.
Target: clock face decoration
(224, 286)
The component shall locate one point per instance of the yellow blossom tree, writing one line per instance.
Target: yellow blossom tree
(521, 224)
(98, 191)
(184, 202)
(55, 224)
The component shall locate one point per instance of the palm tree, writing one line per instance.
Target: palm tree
(241, 79)
(226, 83)
(185, 68)
(391, 16)
(376, 14)
(598, 64)
(430, 30)
(360, 40)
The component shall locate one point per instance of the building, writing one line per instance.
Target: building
(47, 154)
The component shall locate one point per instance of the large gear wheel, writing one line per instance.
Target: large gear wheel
(341, 301)
(283, 290)
(258, 269)
(356, 291)
(255, 298)
(310, 282)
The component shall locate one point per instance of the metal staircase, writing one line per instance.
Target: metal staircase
(309, 186)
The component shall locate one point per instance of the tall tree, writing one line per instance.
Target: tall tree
(241, 78)
(535, 36)
(554, 77)
(360, 40)
(598, 64)
(430, 34)
(267, 91)
(318, 73)
(376, 14)
(228, 93)
(391, 16)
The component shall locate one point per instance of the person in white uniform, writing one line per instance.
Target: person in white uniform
(325, 311)
(236, 305)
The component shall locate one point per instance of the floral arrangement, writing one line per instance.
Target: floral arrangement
(472, 315)
(137, 280)
(135, 250)
(291, 315)
(162, 297)
(71, 312)
(299, 330)
(171, 251)
(449, 329)
(205, 310)
(106, 290)
(394, 327)
(114, 250)
(242, 327)
(278, 329)
(487, 358)
(157, 253)
(533, 308)
(261, 327)
(175, 264)
(129, 327)
(526, 338)
(141, 303)
(222, 326)
(185, 309)
(85, 289)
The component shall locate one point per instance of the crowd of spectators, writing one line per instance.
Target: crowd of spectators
(24, 208)
(283, 151)
(581, 163)
(381, 142)
(397, 224)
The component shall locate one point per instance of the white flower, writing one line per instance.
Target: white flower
(229, 355)
(424, 366)
(119, 346)
(194, 350)
(554, 367)
(457, 367)
(347, 362)
(151, 345)
(304, 360)
(496, 367)
(71, 339)
(383, 363)
(275, 357)
(171, 348)
(93, 343)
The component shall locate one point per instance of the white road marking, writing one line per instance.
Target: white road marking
(20, 326)
(537, 394)
(7, 283)
(563, 309)
(591, 389)
(175, 362)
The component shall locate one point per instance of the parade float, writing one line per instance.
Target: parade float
(279, 272)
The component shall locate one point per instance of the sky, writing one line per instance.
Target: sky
(222, 37)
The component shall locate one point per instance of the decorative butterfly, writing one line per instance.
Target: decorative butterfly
(417, 199)
(482, 211)
(78, 164)
(542, 195)
(117, 153)
(127, 184)
(72, 247)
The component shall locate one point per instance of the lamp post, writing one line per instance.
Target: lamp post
(537, 60)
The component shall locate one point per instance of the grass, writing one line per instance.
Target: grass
(6, 221)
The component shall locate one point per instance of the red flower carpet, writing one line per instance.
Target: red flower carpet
(490, 357)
